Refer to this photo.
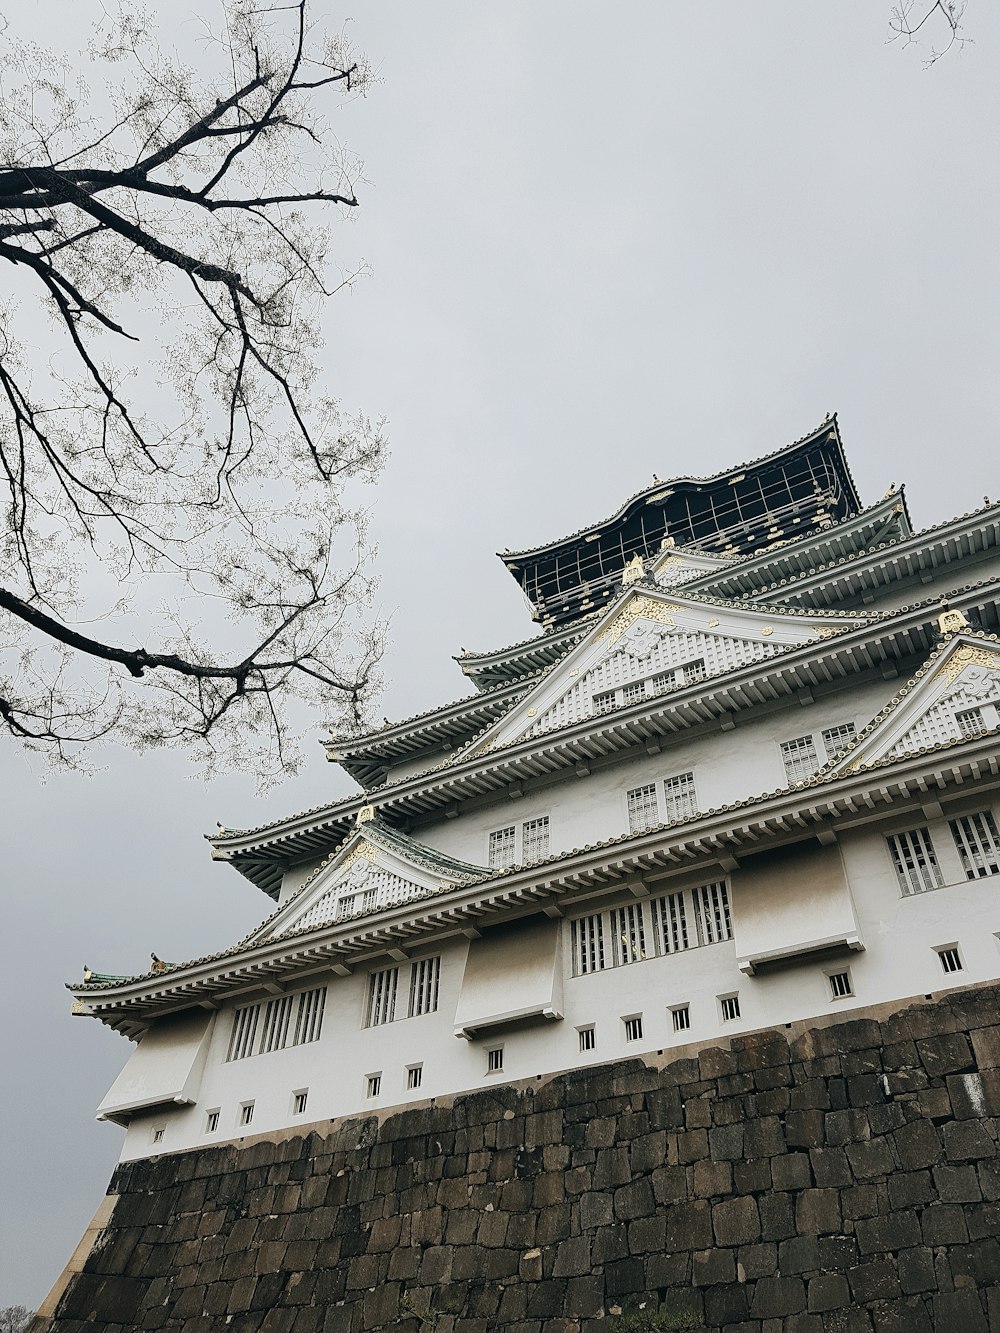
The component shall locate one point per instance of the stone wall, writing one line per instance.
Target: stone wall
(824, 1180)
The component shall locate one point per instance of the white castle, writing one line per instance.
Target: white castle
(746, 774)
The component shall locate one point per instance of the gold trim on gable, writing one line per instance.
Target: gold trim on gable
(966, 655)
(637, 610)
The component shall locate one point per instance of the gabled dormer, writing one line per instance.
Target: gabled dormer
(953, 698)
(377, 867)
(648, 644)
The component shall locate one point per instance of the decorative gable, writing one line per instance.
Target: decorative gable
(674, 565)
(649, 644)
(954, 697)
(376, 868)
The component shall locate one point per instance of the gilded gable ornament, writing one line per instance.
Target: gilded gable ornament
(640, 608)
(634, 570)
(949, 621)
(969, 656)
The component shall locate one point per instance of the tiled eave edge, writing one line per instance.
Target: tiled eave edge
(877, 569)
(817, 807)
(263, 854)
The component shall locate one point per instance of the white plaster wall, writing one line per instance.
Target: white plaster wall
(728, 766)
(296, 876)
(899, 961)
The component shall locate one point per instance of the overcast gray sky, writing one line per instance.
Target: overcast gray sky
(607, 241)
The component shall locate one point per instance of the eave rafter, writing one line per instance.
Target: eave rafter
(822, 807)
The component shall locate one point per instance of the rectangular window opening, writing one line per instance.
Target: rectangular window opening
(971, 722)
(587, 939)
(633, 1027)
(503, 850)
(837, 739)
(535, 839)
(588, 1038)
(800, 758)
(158, 1135)
(212, 1121)
(414, 1076)
(603, 703)
(246, 1113)
(494, 1060)
(914, 861)
(425, 982)
(373, 1085)
(381, 1006)
(682, 801)
(840, 985)
(977, 842)
(299, 1100)
(643, 811)
(681, 1017)
(951, 959)
(729, 1006)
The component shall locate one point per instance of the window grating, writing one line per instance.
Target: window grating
(978, 843)
(604, 703)
(535, 839)
(299, 1100)
(681, 1018)
(670, 923)
(373, 1084)
(241, 1041)
(633, 692)
(711, 903)
(633, 1027)
(211, 1122)
(914, 861)
(587, 938)
(971, 722)
(682, 801)
(382, 988)
(246, 1113)
(800, 758)
(588, 1039)
(425, 979)
(502, 847)
(628, 934)
(951, 960)
(494, 1060)
(309, 1018)
(414, 1077)
(730, 1006)
(693, 671)
(840, 985)
(837, 739)
(643, 811)
(277, 1014)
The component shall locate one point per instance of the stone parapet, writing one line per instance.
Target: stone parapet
(832, 1179)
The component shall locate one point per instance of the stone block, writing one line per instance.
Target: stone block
(736, 1221)
(777, 1219)
(800, 1254)
(986, 1046)
(894, 1231)
(726, 1143)
(713, 1267)
(804, 1129)
(648, 1235)
(753, 1261)
(907, 1189)
(777, 1297)
(764, 1137)
(712, 1179)
(817, 1212)
(828, 1291)
(623, 1277)
(689, 1226)
(754, 1176)
(874, 1281)
(946, 1054)
(870, 1159)
(967, 1140)
(830, 1167)
(726, 1306)
(634, 1200)
(793, 1171)
(960, 1310)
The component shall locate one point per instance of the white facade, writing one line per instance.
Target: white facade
(713, 808)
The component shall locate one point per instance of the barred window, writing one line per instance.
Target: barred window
(711, 906)
(502, 846)
(681, 1016)
(588, 1038)
(660, 684)
(978, 843)
(682, 801)
(643, 811)
(299, 1100)
(381, 1007)
(628, 933)
(914, 861)
(373, 1084)
(309, 1017)
(246, 1113)
(587, 935)
(603, 703)
(729, 1006)
(494, 1060)
(840, 985)
(800, 758)
(244, 1033)
(837, 739)
(414, 1077)
(693, 671)
(951, 959)
(212, 1121)
(971, 722)
(277, 1015)
(425, 977)
(535, 839)
(633, 1027)
(670, 923)
(633, 692)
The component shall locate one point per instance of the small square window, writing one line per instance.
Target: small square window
(633, 1027)
(246, 1113)
(971, 722)
(840, 985)
(212, 1121)
(588, 1038)
(681, 1016)
(299, 1100)
(503, 847)
(373, 1084)
(729, 1006)
(633, 692)
(414, 1076)
(951, 959)
(494, 1060)
(158, 1134)
(604, 703)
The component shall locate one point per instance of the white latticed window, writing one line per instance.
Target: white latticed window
(425, 978)
(633, 1027)
(535, 839)
(277, 1016)
(628, 933)
(971, 722)
(261, 1028)
(246, 1113)
(837, 739)
(382, 988)
(711, 909)
(978, 844)
(633, 692)
(503, 846)
(212, 1121)
(414, 1077)
(951, 959)
(800, 758)
(244, 1033)
(914, 861)
(641, 930)
(681, 799)
(694, 671)
(643, 811)
(309, 1016)
(604, 703)
(587, 936)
